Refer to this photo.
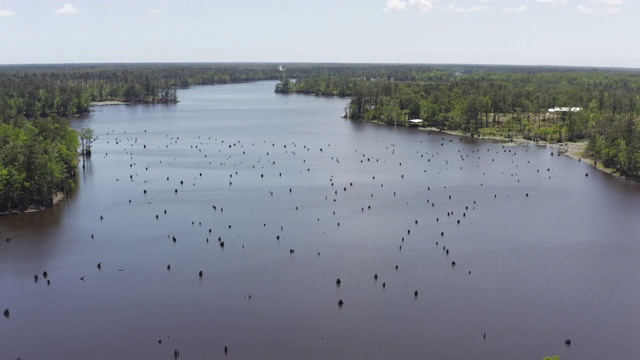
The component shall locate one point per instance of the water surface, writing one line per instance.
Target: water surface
(301, 197)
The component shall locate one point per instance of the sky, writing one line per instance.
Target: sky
(601, 33)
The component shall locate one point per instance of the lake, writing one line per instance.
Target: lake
(301, 197)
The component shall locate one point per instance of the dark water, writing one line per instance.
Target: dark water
(560, 263)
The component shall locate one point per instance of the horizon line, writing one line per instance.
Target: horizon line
(310, 63)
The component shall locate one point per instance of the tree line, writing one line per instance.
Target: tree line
(64, 90)
(38, 149)
(600, 106)
(36, 156)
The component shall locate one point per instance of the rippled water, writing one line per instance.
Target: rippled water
(302, 198)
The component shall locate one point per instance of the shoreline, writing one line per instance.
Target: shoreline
(109, 103)
(56, 199)
(115, 102)
(572, 150)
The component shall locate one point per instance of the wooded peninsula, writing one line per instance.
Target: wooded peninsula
(598, 106)
(39, 150)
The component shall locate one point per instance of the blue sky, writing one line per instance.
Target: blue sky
(531, 32)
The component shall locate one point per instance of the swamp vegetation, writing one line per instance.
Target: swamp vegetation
(38, 149)
(599, 106)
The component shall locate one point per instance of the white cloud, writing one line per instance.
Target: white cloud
(608, 2)
(477, 9)
(512, 10)
(67, 9)
(7, 13)
(458, 9)
(587, 10)
(425, 6)
(471, 9)
(154, 11)
(553, 1)
(612, 10)
(395, 5)
(422, 6)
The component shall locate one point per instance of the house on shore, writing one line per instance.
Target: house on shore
(564, 109)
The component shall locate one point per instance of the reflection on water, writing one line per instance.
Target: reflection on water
(300, 198)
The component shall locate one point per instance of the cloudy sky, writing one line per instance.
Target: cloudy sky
(532, 32)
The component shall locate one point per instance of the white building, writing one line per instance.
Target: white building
(564, 109)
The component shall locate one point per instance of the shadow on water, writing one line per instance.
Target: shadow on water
(41, 221)
(34, 235)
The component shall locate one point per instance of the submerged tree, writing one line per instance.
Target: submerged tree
(87, 138)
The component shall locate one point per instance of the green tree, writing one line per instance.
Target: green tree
(87, 138)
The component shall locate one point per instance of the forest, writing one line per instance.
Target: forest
(36, 156)
(38, 149)
(598, 106)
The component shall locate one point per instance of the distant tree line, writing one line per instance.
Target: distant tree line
(64, 90)
(508, 102)
(38, 150)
